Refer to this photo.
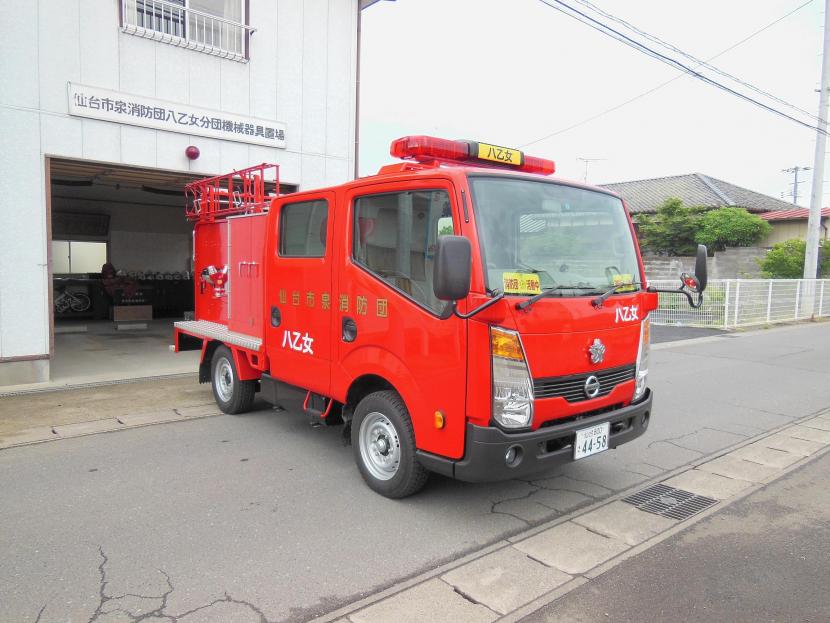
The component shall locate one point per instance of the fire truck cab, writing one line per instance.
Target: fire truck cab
(460, 313)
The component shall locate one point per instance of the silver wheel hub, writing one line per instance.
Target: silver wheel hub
(380, 447)
(223, 380)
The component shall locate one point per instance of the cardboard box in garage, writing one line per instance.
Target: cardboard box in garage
(121, 313)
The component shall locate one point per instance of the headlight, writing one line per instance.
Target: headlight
(512, 386)
(642, 359)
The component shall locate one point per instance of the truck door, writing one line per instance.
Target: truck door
(298, 292)
(387, 309)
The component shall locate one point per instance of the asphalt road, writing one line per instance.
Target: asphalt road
(763, 559)
(261, 517)
(668, 333)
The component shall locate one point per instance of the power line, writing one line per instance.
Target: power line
(682, 68)
(667, 82)
(701, 63)
(641, 47)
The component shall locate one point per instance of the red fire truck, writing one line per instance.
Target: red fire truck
(459, 312)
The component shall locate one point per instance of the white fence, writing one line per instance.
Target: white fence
(732, 303)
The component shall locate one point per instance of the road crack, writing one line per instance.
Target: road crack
(108, 603)
(226, 599)
(518, 498)
(105, 599)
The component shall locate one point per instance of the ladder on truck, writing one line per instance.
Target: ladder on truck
(239, 192)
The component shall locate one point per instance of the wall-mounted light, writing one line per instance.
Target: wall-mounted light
(192, 152)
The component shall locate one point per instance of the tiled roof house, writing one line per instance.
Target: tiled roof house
(694, 189)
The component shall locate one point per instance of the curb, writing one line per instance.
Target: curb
(43, 389)
(43, 434)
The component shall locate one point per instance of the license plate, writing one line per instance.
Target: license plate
(592, 440)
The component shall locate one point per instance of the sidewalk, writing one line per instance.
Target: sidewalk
(765, 558)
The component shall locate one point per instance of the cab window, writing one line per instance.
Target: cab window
(395, 236)
(303, 228)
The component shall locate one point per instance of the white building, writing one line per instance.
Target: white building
(98, 103)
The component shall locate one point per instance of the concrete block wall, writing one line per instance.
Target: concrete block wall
(733, 263)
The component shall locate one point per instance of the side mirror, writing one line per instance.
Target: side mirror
(701, 273)
(452, 268)
(691, 284)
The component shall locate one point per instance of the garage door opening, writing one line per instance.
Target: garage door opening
(121, 268)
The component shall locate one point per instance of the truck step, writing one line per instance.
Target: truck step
(317, 408)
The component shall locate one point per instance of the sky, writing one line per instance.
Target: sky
(510, 72)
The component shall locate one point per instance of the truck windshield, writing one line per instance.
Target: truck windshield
(537, 235)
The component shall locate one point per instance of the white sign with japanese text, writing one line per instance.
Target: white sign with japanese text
(86, 101)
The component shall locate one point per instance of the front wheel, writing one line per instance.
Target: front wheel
(384, 446)
(231, 394)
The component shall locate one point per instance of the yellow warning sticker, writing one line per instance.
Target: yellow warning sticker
(624, 280)
(521, 283)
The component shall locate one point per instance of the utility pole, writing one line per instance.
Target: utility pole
(817, 196)
(794, 170)
(588, 161)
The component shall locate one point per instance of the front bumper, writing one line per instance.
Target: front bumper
(540, 450)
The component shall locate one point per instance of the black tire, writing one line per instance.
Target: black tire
(232, 395)
(386, 420)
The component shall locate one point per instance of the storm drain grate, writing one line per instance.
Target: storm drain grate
(669, 502)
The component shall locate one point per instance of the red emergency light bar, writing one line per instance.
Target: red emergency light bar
(431, 149)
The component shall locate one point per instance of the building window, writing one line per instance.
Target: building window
(216, 27)
(72, 257)
(395, 236)
(303, 229)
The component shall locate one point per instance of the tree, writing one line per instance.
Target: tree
(731, 227)
(786, 260)
(671, 230)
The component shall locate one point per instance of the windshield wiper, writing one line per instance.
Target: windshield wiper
(597, 302)
(550, 292)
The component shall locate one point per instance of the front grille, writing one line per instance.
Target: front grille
(572, 388)
(581, 416)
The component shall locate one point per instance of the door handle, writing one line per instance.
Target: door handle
(349, 329)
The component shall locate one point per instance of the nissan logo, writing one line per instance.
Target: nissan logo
(591, 386)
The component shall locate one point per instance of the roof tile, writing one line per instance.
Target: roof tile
(694, 189)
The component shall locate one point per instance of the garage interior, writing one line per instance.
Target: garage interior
(121, 268)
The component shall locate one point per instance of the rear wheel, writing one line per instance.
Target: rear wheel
(231, 394)
(384, 446)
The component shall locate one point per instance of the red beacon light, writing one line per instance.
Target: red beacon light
(430, 149)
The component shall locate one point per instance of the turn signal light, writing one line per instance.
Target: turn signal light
(505, 345)
(439, 420)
